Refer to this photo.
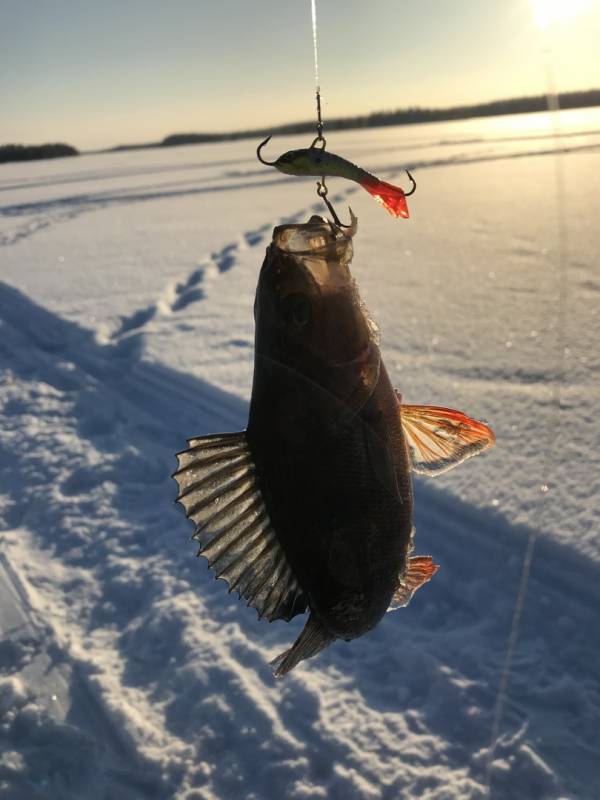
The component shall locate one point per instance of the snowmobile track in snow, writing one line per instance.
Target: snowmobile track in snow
(62, 209)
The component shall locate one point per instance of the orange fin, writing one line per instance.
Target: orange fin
(420, 570)
(391, 197)
(440, 438)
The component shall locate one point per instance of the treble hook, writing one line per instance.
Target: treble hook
(260, 158)
(322, 191)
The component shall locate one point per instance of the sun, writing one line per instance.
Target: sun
(549, 12)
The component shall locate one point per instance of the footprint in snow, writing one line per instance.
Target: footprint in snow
(226, 258)
(135, 320)
(185, 299)
(257, 236)
(190, 291)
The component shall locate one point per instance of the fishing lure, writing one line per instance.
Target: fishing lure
(319, 162)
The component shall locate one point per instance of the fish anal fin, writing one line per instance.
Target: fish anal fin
(420, 570)
(312, 640)
(392, 198)
(220, 493)
(440, 438)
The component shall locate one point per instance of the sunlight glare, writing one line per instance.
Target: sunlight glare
(548, 12)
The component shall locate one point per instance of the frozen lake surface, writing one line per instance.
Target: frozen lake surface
(126, 290)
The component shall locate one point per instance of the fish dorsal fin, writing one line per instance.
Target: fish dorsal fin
(420, 570)
(440, 438)
(218, 488)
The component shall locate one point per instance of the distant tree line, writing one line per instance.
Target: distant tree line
(406, 116)
(22, 152)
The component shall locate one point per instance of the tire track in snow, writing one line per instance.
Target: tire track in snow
(43, 214)
(62, 209)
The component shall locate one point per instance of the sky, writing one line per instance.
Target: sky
(97, 74)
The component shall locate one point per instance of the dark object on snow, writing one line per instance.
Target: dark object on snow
(21, 152)
(311, 506)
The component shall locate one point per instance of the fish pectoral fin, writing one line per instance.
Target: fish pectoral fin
(312, 640)
(420, 570)
(218, 488)
(440, 438)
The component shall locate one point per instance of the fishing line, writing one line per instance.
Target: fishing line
(322, 190)
(313, 11)
(555, 401)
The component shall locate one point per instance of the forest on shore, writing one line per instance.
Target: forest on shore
(406, 116)
(32, 152)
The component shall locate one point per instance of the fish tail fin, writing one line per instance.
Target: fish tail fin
(312, 640)
(391, 197)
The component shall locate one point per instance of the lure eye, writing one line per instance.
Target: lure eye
(296, 311)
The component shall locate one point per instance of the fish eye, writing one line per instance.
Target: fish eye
(296, 311)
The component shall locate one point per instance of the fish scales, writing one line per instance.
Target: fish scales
(340, 501)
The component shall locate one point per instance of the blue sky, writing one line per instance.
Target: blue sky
(98, 73)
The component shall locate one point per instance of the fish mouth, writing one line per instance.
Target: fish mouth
(318, 237)
(318, 250)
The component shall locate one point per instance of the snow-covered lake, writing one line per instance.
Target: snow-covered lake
(126, 290)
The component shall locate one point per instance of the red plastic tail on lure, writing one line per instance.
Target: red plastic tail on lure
(391, 197)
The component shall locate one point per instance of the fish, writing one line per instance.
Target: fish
(318, 162)
(311, 507)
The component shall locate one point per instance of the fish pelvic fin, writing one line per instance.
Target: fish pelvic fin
(219, 491)
(439, 438)
(312, 640)
(421, 569)
(392, 198)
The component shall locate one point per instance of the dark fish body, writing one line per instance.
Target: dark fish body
(328, 445)
(311, 507)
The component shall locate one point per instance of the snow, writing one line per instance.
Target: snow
(126, 290)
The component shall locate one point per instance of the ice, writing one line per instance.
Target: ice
(126, 289)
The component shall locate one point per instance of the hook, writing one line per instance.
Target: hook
(322, 192)
(260, 158)
(321, 140)
(414, 185)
